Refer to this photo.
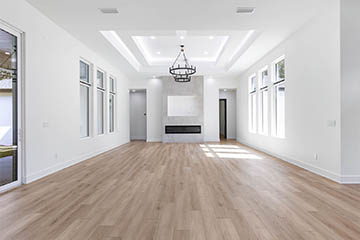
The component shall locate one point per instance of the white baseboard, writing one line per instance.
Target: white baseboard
(350, 179)
(9, 186)
(314, 169)
(47, 171)
(154, 140)
(212, 140)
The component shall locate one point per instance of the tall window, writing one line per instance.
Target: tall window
(100, 101)
(263, 101)
(279, 98)
(252, 103)
(112, 97)
(85, 86)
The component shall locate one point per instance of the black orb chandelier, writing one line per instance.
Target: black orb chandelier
(182, 73)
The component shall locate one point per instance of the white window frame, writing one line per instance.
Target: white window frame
(252, 104)
(112, 94)
(89, 85)
(265, 68)
(275, 84)
(274, 80)
(263, 124)
(103, 91)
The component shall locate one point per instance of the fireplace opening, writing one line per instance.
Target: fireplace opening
(183, 129)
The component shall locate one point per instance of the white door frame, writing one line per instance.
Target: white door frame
(20, 105)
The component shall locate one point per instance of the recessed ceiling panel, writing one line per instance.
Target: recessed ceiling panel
(154, 51)
(163, 49)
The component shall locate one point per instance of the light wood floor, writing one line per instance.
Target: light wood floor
(179, 192)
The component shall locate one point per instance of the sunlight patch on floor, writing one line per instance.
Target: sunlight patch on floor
(209, 155)
(237, 155)
(205, 149)
(222, 146)
(229, 150)
(226, 151)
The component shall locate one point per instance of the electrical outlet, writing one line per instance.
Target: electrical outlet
(316, 156)
(45, 124)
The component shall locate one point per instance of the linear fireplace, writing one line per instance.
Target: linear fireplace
(183, 129)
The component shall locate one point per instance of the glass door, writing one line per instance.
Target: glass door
(9, 169)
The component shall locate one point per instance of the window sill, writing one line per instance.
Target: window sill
(85, 138)
(278, 137)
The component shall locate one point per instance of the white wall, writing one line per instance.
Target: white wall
(312, 97)
(6, 115)
(52, 94)
(350, 89)
(137, 118)
(230, 97)
(153, 104)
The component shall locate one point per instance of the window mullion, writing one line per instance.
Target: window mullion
(279, 82)
(85, 83)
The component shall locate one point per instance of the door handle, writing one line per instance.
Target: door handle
(8, 147)
(6, 151)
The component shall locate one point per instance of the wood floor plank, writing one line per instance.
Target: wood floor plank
(209, 191)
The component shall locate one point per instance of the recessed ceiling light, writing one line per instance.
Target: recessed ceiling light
(158, 53)
(182, 37)
(152, 37)
(109, 10)
(7, 53)
(246, 10)
(206, 52)
(154, 76)
(211, 37)
(133, 90)
(225, 90)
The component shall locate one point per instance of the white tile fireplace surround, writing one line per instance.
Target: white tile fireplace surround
(183, 110)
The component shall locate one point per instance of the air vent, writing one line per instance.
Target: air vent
(246, 10)
(109, 10)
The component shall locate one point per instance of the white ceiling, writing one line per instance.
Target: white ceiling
(239, 39)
